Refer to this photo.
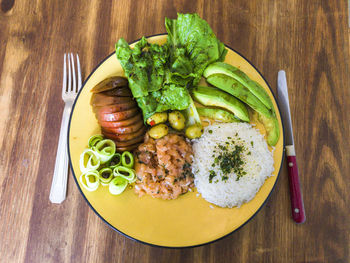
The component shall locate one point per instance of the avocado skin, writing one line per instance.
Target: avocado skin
(217, 114)
(240, 76)
(210, 96)
(235, 88)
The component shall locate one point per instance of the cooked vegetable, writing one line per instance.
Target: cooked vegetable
(90, 180)
(210, 96)
(217, 114)
(158, 131)
(177, 120)
(157, 118)
(118, 185)
(194, 131)
(159, 75)
(127, 159)
(105, 175)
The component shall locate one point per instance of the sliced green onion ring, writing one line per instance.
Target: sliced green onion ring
(91, 180)
(117, 185)
(105, 150)
(94, 139)
(115, 161)
(124, 172)
(105, 175)
(92, 163)
(127, 159)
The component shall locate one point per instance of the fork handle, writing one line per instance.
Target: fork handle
(59, 182)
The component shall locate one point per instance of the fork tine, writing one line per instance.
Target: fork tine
(69, 74)
(79, 73)
(73, 71)
(64, 82)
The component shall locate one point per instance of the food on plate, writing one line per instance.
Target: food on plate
(158, 131)
(238, 84)
(177, 120)
(217, 114)
(210, 96)
(117, 113)
(152, 113)
(272, 129)
(101, 164)
(163, 167)
(159, 117)
(231, 162)
(159, 75)
(240, 76)
(110, 84)
(194, 131)
(235, 88)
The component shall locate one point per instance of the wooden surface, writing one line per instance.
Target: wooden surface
(309, 39)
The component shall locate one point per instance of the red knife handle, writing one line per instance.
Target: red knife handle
(297, 203)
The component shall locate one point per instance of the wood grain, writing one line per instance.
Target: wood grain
(308, 39)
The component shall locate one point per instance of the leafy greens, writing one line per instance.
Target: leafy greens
(160, 75)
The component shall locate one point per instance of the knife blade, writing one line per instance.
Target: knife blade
(298, 211)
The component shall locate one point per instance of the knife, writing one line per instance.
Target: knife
(298, 212)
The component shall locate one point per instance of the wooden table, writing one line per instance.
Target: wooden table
(309, 39)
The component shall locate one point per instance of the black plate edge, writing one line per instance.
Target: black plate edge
(143, 242)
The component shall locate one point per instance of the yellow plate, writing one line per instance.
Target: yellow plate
(186, 221)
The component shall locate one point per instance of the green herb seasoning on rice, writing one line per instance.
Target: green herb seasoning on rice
(231, 162)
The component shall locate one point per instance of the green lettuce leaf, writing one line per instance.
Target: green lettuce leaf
(144, 65)
(197, 42)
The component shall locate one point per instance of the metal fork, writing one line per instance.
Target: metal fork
(70, 90)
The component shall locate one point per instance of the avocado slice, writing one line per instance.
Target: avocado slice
(240, 76)
(235, 88)
(271, 127)
(210, 96)
(217, 114)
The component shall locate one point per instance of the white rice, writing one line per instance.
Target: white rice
(258, 165)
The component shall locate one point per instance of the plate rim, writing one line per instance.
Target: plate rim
(144, 242)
